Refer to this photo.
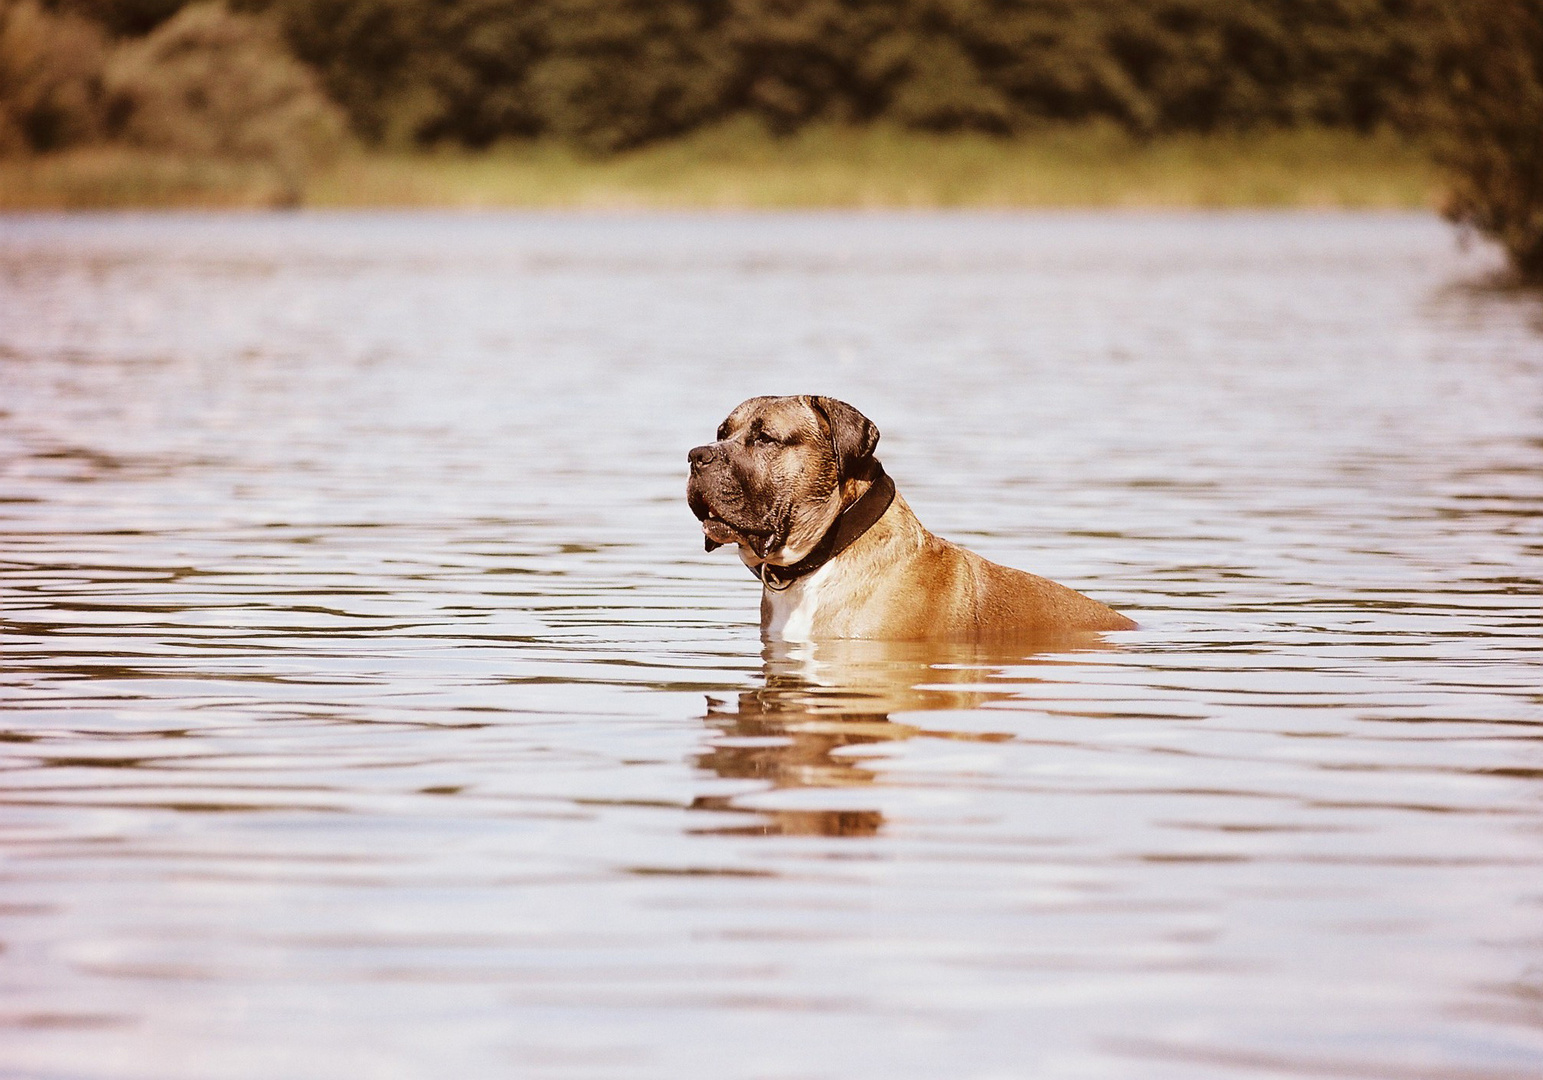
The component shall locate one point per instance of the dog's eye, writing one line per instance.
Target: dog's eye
(763, 437)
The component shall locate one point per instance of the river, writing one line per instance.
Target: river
(370, 707)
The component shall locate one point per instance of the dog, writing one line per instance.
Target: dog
(793, 483)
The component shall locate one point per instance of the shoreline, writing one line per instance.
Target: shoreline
(740, 169)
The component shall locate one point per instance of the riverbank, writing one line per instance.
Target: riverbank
(738, 168)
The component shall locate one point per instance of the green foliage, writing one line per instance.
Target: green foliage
(1488, 119)
(122, 17)
(209, 83)
(612, 75)
(617, 73)
(205, 86)
(377, 59)
(50, 78)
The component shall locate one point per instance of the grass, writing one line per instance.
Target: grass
(739, 167)
(102, 179)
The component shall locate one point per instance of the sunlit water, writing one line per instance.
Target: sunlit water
(370, 708)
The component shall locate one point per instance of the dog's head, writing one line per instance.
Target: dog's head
(779, 474)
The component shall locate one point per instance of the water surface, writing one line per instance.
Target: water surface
(370, 708)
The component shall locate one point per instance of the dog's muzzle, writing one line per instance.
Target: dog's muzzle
(716, 532)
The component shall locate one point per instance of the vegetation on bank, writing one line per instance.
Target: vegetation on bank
(206, 85)
(1487, 118)
(608, 75)
(614, 74)
(778, 103)
(741, 167)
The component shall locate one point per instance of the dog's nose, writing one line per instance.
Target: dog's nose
(700, 457)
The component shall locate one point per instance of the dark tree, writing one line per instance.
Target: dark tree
(618, 73)
(1488, 123)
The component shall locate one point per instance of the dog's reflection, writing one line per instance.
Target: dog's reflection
(821, 698)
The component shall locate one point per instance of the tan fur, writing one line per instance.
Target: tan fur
(897, 581)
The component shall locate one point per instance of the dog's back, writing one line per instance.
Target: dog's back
(902, 583)
(1013, 603)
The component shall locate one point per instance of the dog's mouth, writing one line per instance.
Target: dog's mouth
(718, 533)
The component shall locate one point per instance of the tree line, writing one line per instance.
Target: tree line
(287, 76)
(611, 74)
(201, 82)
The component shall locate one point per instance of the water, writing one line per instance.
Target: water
(370, 708)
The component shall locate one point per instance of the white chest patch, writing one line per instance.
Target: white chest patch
(793, 609)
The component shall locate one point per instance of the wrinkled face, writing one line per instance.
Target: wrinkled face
(772, 483)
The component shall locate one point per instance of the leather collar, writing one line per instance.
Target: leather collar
(853, 522)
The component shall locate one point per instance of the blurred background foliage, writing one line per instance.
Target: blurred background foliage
(618, 73)
(613, 74)
(289, 81)
(51, 70)
(202, 81)
(210, 83)
(1486, 120)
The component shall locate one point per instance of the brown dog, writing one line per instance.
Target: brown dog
(793, 482)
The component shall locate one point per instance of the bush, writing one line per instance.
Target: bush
(209, 83)
(122, 17)
(50, 78)
(372, 54)
(1489, 124)
(614, 73)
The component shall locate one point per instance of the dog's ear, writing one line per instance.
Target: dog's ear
(852, 434)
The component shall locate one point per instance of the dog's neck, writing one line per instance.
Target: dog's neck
(860, 515)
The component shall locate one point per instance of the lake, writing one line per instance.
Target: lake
(370, 707)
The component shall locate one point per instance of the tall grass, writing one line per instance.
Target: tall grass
(118, 179)
(739, 166)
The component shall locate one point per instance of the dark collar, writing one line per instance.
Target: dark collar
(853, 522)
